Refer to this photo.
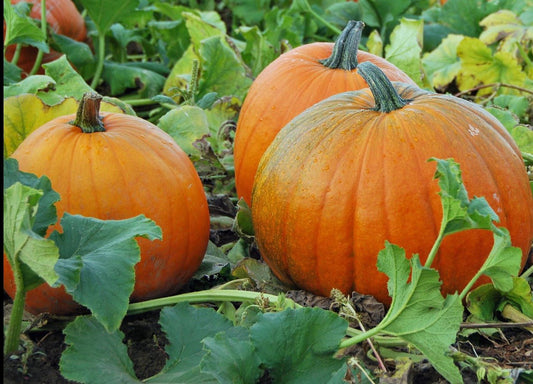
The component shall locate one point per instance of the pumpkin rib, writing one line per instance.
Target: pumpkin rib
(65, 197)
(153, 154)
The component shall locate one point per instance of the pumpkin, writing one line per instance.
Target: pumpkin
(64, 19)
(352, 171)
(293, 82)
(118, 167)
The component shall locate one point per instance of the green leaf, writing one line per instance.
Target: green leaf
(185, 327)
(68, 82)
(459, 212)
(186, 124)
(21, 243)
(485, 300)
(418, 313)
(503, 262)
(516, 104)
(231, 358)
(105, 13)
(463, 16)
(31, 84)
(214, 262)
(22, 30)
(124, 76)
(106, 252)
(382, 13)
(442, 64)
(12, 73)
(222, 71)
(479, 65)
(406, 42)
(93, 353)
(298, 346)
(259, 52)
(77, 52)
(46, 214)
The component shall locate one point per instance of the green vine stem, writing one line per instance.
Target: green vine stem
(100, 61)
(528, 272)
(385, 95)
(304, 5)
(11, 342)
(40, 53)
(88, 115)
(344, 55)
(235, 295)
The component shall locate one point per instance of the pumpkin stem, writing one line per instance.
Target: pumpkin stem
(385, 95)
(344, 55)
(88, 115)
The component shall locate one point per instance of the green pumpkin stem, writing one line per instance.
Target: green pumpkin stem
(88, 117)
(385, 95)
(344, 55)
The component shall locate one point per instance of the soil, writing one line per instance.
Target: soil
(146, 343)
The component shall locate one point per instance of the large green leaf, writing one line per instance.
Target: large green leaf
(298, 345)
(93, 354)
(28, 253)
(418, 313)
(222, 71)
(124, 76)
(185, 327)
(231, 358)
(106, 12)
(97, 260)
(46, 211)
(19, 29)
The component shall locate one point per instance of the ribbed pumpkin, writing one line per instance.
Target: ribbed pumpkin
(64, 19)
(125, 167)
(352, 171)
(293, 82)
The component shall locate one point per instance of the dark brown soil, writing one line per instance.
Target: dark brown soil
(146, 349)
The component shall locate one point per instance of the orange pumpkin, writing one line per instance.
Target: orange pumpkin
(352, 171)
(64, 19)
(293, 82)
(131, 167)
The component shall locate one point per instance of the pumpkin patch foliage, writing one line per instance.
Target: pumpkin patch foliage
(268, 192)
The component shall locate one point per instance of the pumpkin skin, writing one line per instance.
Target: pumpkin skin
(341, 178)
(290, 84)
(64, 19)
(132, 168)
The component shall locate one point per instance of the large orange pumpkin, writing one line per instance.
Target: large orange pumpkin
(293, 82)
(352, 171)
(64, 19)
(130, 167)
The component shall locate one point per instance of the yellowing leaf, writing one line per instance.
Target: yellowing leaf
(481, 66)
(405, 47)
(25, 113)
(505, 27)
(442, 64)
(375, 43)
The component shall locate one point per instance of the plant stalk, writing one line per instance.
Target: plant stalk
(40, 53)
(344, 55)
(11, 343)
(100, 62)
(88, 114)
(385, 95)
(209, 295)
